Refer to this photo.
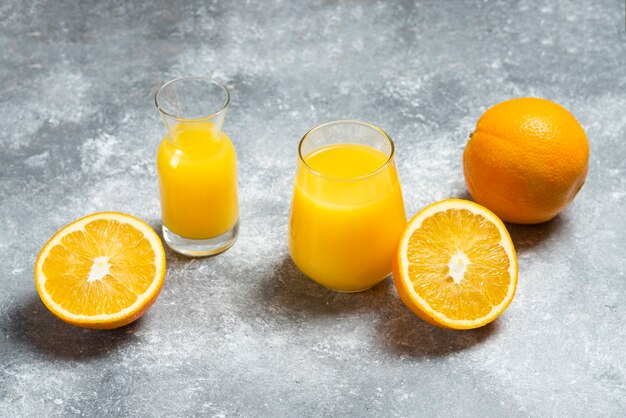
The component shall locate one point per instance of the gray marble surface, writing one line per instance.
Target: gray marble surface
(244, 333)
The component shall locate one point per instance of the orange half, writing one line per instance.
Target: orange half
(101, 271)
(455, 265)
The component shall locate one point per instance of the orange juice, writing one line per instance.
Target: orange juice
(197, 168)
(346, 216)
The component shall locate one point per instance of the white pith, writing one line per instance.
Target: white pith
(457, 266)
(99, 269)
(459, 204)
(148, 233)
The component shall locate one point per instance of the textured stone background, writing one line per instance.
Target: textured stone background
(244, 333)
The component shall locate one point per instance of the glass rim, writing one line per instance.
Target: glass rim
(362, 177)
(201, 118)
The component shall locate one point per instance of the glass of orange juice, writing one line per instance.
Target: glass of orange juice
(197, 168)
(347, 211)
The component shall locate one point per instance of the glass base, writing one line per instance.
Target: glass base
(201, 247)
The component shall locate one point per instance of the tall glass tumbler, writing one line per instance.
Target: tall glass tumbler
(347, 211)
(197, 168)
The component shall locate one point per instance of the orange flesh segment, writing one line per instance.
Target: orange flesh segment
(486, 279)
(131, 263)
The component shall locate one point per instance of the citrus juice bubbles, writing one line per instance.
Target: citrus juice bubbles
(197, 169)
(347, 211)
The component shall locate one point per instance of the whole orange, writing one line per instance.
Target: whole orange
(526, 160)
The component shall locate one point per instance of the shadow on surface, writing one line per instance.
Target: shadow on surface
(465, 196)
(31, 323)
(288, 292)
(526, 237)
(402, 332)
